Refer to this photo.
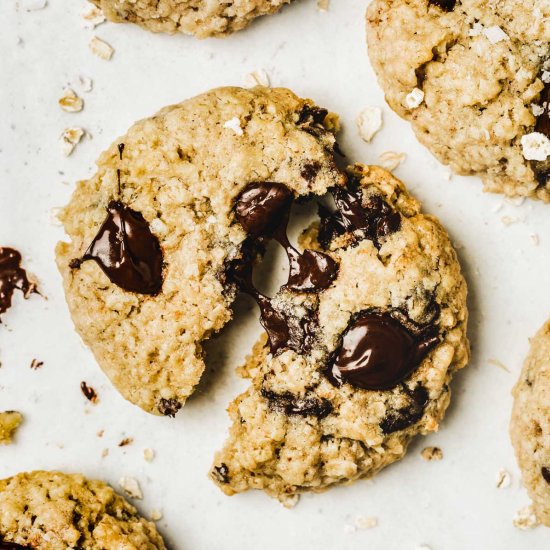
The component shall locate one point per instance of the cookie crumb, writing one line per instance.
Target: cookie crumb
(36, 364)
(525, 518)
(70, 139)
(508, 220)
(100, 433)
(414, 98)
(369, 122)
(9, 422)
(156, 514)
(84, 83)
(536, 146)
(70, 102)
(289, 501)
(390, 160)
(498, 364)
(89, 392)
(130, 486)
(366, 522)
(323, 5)
(258, 77)
(104, 453)
(92, 17)
(126, 441)
(432, 453)
(148, 454)
(101, 48)
(503, 479)
(535, 239)
(235, 125)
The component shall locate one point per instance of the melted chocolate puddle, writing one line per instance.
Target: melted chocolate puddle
(12, 277)
(125, 248)
(378, 351)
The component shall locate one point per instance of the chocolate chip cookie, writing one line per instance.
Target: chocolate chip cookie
(361, 343)
(473, 78)
(201, 18)
(530, 424)
(56, 511)
(152, 267)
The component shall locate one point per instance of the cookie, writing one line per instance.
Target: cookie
(530, 424)
(56, 511)
(9, 422)
(201, 19)
(363, 362)
(473, 78)
(153, 231)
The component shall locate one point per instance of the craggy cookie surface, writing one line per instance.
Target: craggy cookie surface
(55, 511)
(153, 231)
(473, 77)
(201, 18)
(530, 425)
(370, 354)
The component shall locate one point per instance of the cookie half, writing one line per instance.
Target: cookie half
(56, 511)
(153, 231)
(473, 78)
(530, 424)
(370, 356)
(200, 18)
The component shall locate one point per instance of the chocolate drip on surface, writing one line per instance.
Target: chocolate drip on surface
(299, 406)
(408, 415)
(545, 474)
(12, 277)
(127, 251)
(445, 5)
(378, 351)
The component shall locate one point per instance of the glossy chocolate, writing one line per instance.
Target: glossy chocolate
(545, 474)
(445, 5)
(127, 251)
(301, 406)
(12, 277)
(378, 352)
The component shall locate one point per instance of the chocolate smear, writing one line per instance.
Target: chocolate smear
(127, 251)
(378, 352)
(301, 406)
(12, 277)
(408, 415)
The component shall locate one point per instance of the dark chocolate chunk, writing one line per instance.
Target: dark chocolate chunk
(378, 351)
(545, 471)
(445, 5)
(410, 414)
(221, 473)
(331, 225)
(310, 170)
(301, 406)
(310, 271)
(127, 251)
(12, 277)
(89, 392)
(542, 168)
(312, 114)
(169, 407)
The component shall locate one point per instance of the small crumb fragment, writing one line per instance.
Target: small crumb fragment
(148, 454)
(89, 392)
(289, 501)
(156, 514)
(257, 78)
(33, 5)
(535, 239)
(537, 110)
(369, 122)
(495, 34)
(70, 138)
(503, 479)
(36, 364)
(432, 453)
(101, 48)
(104, 453)
(9, 422)
(92, 17)
(447, 175)
(390, 160)
(100, 433)
(508, 220)
(525, 518)
(130, 486)
(365, 522)
(536, 146)
(70, 102)
(83, 83)
(322, 5)
(498, 364)
(235, 125)
(126, 441)
(414, 99)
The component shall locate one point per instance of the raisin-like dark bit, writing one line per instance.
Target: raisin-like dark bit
(445, 5)
(221, 473)
(301, 406)
(545, 471)
(169, 407)
(404, 417)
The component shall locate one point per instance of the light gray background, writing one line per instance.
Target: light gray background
(452, 504)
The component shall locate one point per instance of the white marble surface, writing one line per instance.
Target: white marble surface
(449, 505)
